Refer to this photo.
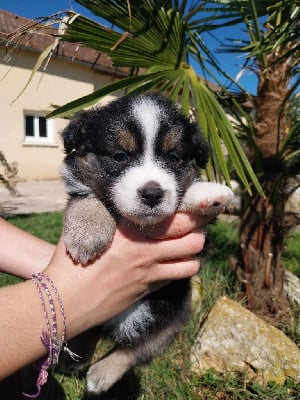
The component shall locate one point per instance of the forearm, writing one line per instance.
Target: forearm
(21, 253)
(91, 294)
(21, 327)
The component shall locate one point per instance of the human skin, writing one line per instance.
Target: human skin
(135, 264)
(21, 253)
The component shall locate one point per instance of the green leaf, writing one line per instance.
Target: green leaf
(89, 100)
(46, 53)
(208, 110)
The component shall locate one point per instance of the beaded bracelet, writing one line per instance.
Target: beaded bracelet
(49, 338)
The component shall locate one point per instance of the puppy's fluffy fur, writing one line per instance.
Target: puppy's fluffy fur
(134, 158)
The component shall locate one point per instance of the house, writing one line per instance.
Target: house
(26, 136)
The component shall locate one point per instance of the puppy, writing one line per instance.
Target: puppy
(137, 159)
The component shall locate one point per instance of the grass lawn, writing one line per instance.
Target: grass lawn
(169, 376)
(291, 256)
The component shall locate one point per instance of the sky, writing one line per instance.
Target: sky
(40, 8)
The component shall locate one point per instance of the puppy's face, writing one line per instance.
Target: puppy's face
(135, 155)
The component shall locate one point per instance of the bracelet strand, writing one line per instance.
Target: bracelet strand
(49, 337)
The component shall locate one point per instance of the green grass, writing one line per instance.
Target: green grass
(46, 226)
(169, 376)
(291, 255)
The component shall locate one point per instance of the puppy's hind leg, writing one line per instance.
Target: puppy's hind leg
(105, 373)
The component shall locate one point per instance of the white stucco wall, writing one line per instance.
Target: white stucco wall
(60, 83)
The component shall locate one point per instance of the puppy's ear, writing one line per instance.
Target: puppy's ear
(74, 135)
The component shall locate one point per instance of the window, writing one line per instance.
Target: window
(38, 130)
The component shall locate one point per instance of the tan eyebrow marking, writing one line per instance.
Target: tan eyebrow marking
(171, 139)
(127, 141)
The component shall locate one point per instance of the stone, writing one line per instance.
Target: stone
(292, 287)
(293, 203)
(233, 339)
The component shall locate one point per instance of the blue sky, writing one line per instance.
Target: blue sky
(40, 8)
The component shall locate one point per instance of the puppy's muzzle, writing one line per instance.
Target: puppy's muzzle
(151, 194)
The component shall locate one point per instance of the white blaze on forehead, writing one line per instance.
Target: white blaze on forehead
(147, 114)
(126, 191)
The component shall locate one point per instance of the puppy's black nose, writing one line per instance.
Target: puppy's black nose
(151, 194)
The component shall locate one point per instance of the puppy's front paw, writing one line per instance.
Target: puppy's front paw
(206, 198)
(88, 229)
(83, 246)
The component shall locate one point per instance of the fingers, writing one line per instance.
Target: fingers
(157, 250)
(177, 248)
(179, 269)
(177, 225)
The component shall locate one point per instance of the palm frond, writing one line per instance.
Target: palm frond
(86, 101)
(161, 37)
(160, 40)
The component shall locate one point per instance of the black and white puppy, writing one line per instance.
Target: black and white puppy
(134, 158)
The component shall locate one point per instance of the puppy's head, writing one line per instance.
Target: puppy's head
(135, 154)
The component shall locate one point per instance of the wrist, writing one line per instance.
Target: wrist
(65, 278)
(53, 336)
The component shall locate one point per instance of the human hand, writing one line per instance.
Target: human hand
(132, 266)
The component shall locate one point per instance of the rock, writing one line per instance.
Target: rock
(293, 203)
(232, 339)
(292, 287)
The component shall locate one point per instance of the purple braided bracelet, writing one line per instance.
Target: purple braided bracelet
(49, 338)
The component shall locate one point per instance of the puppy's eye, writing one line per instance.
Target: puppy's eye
(120, 156)
(174, 157)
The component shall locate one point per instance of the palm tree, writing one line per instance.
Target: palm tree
(158, 41)
(162, 40)
(271, 135)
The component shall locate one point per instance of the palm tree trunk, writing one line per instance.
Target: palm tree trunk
(262, 241)
(262, 222)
